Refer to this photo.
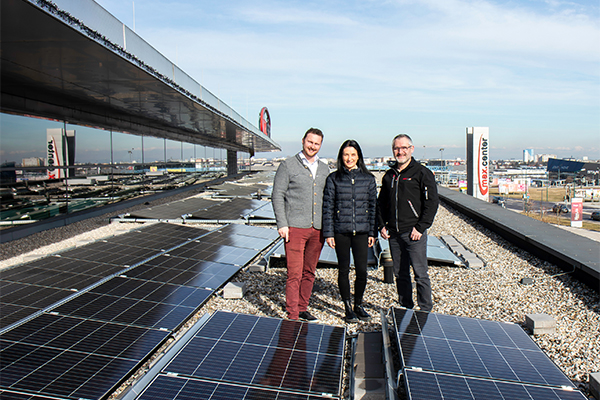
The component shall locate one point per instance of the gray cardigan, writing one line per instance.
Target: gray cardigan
(297, 197)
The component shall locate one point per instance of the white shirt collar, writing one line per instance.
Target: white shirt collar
(305, 160)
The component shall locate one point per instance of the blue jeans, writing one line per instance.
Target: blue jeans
(407, 252)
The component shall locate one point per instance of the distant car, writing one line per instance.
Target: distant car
(501, 201)
(560, 208)
(596, 215)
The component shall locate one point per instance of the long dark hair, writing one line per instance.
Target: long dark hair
(360, 163)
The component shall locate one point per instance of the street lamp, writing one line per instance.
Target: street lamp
(442, 153)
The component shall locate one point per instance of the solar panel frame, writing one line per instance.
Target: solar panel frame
(473, 347)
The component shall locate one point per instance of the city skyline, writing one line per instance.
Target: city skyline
(370, 70)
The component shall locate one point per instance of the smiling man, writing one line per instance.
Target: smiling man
(407, 205)
(297, 202)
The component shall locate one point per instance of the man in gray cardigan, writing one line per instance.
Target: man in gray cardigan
(298, 201)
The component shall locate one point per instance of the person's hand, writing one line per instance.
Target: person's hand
(331, 242)
(371, 241)
(284, 232)
(415, 234)
(384, 233)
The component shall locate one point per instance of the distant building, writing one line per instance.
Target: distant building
(528, 156)
(32, 162)
(546, 157)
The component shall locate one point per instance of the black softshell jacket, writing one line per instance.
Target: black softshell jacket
(407, 199)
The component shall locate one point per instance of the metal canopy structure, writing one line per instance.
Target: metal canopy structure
(85, 67)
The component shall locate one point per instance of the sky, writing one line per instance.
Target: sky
(370, 69)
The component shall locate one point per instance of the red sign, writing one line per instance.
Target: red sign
(576, 211)
(264, 122)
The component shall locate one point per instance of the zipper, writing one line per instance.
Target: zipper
(396, 205)
(413, 209)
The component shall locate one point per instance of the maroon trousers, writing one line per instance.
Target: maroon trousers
(302, 253)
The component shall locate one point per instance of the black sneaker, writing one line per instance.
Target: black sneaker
(306, 316)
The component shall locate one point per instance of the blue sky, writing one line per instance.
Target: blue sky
(369, 69)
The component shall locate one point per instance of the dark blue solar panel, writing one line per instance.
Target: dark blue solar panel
(473, 347)
(180, 388)
(46, 370)
(423, 385)
(202, 250)
(266, 352)
(19, 395)
(126, 311)
(249, 230)
(153, 291)
(93, 337)
(229, 239)
(183, 271)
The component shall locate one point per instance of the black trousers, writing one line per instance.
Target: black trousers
(360, 246)
(407, 252)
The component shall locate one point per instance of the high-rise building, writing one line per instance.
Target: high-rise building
(528, 155)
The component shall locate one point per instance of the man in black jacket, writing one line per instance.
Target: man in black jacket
(407, 205)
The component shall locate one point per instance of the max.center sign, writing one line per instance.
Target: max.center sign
(478, 162)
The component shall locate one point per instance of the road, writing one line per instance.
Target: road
(517, 205)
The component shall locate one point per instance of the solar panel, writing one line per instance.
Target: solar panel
(183, 271)
(249, 230)
(20, 395)
(473, 347)
(153, 291)
(229, 210)
(127, 311)
(12, 313)
(234, 189)
(23, 300)
(110, 253)
(166, 387)
(93, 337)
(62, 356)
(438, 251)
(266, 352)
(49, 278)
(175, 209)
(229, 239)
(172, 230)
(202, 250)
(432, 386)
(63, 264)
(265, 212)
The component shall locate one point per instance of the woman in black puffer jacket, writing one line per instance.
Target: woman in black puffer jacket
(349, 202)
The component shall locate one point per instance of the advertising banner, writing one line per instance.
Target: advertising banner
(478, 162)
(577, 212)
(55, 153)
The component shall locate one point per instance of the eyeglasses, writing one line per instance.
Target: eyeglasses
(403, 148)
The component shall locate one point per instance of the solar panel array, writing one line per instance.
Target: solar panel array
(468, 354)
(244, 356)
(93, 319)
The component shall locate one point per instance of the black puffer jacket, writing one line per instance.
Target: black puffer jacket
(349, 203)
